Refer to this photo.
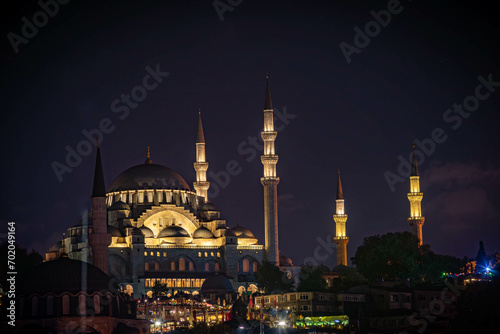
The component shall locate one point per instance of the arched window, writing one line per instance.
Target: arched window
(157, 266)
(191, 266)
(182, 264)
(50, 305)
(254, 269)
(65, 302)
(146, 266)
(81, 304)
(97, 304)
(217, 267)
(207, 266)
(172, 266)
(34, 306)
(246, 265)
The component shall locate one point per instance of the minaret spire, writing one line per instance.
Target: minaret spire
(416, 220)
(99, 239)
(340, 192)
(201, 165)
(340, 218)
(270, 180)
(148, 158)
(99, 189)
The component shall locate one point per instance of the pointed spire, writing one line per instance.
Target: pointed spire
(414, 166)
(148, 159)
(99, 189)
(340, 192)
(200, 137)
(268, 104)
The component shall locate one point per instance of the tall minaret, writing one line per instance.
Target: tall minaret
(270, 180)
(340, 218)
(201, 165)
(416, 220)
(99, 239)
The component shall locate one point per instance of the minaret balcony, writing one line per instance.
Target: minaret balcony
(201, 166)
(268, 135)
(271, 159)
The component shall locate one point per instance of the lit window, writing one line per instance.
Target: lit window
(212, 254)
(152, 254)
(218, 254)
(158, 254)
(145, 253)
(164, 254)
(206, 254)
(199, 254)
(246, 265)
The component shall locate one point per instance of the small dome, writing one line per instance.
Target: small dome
(229, 233)
(147, 232)
(239, 230)
(173, 231)
(115, 232)
(208, 206)
(285, 261)
(202, 233)
(119, 205)
(136, 231)
(217, 283)
(55, 247)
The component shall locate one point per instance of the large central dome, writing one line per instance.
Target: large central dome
(148, 176)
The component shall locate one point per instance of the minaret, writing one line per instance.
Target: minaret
(270, 180)
(415, 220)
(99, 239)
(201, 165)
(340, 218)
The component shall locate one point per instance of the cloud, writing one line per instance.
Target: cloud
(460, 174)
(461, 195)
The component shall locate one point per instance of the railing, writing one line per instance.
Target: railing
(181, 246)
(251, 247)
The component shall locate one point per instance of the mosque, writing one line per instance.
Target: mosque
(149, 226)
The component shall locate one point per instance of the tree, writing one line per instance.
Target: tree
(159, 289)
(24, 261)
(398, 256)
(271, 279)
(392, 256)
(311, 279)
(349, 277)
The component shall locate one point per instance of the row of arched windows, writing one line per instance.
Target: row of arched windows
(175, 283)
(182, 265)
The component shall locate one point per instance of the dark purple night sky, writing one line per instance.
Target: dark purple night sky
(358, 116)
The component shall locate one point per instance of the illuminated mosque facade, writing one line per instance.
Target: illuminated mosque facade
(150, 227)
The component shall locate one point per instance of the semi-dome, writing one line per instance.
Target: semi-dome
(148, 176)
(216, 283)
(114, 231)
(64, 275)
(208, 206)
(147, 232)
(285, 261)
(202, 233)
(240, 230)
(119, 205)
(173, 231)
